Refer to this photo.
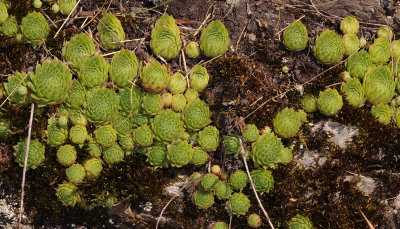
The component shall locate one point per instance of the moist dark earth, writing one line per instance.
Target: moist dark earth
(245, 82)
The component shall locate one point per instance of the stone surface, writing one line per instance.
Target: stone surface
(340, 134)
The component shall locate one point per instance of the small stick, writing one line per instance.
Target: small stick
(241, 34)
(202, 24)
(12, 92)
(65, 21)
(368, 222)
(252, 184)
(48, 18)
(184, 61)
(280, 31)
(28, 142)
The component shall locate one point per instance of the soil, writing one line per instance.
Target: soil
(243, 81)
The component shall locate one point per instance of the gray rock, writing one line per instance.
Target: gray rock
(340, 134)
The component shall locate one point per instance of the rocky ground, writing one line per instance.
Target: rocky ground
(346, 169)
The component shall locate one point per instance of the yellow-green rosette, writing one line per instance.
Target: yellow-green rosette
(208, 138)
(111, 32)
(239, 179)
(263, 180)
(379, 85)
(3, 13)
(166, 99)
(66, 6)
(143, 136)
(78, 49)
(309, 103)
(75, 173)
(349, 24)
(251, 133)
(240, 203)
(68, 194)
(353, 92)
(179, 154)
(35, 28)
(177, 83)
(157, 156)
(223, 190)
(113, 155)
(165, 38)
(192, 50)
(94, 71)
(295, 36)
(287, 123)
(383, 113)
(196, 115)
(152, 104)
(329, 102)
(350, 43)
(78, 134)
(17, 85)
(328, 48)
(178, 102)
(198, 78)
(167, 126)
(124, 67)
(154, 76)
(106, 135)
(395, 49)
(101, 105)
(191, 95)
(358, 64)
(397, 118)
(214, 39)
(66, 155)
(203, 199)
(379, 51)
(300, 222)
(385, 32)
(10, 27)
(93, 167)
(35, 156)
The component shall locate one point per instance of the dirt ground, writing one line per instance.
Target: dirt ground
(245, 83)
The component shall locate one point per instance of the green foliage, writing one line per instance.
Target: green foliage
(251, 133)
(10, 27)
(78, 49)
(192, 49)
(3, 13)
(4, 129)
(300, 222)
(295, 36)
(66, 6)
(198, 78)
(209, 181)
(231, 144)
(113, 155)
(349, 24)
(178, 102)
(78, 134)
(358, 64)
(93, 167)
(130, 99)
(123, 124)
(287, 123)
(239, 179)
(220, 225)
(157, 156)
(50, 83)
(68, 194)
(397, 118)
(223, 190)
(353, 92)
(179, 154)
(94, 71)
(154, 76)
(254, 220)
(328, 47)
(94, 148)
(196, 115)
(17, 85)
(111, 32)
(203, 199)
(143, 136)
(75, 173)
(214, 39)
(76, 117)
(35, 156)
(76, 95)
(383, 113)
(385, 32)
(395, 45)
(126, 142)
(55, 134)
(196, 178)
(167, 126)
(240, 204)
(209, 138)
(268, 150)
(309, 103)
(101, 105)
(200, 157)
(165, 38)
(35, 28)
(177, 83)
(350, 43)
(263, 180)
(379, 85)
(191, 95)
(124, 67)
(379, 51)
(66, 155)
(152, 103)
(106, 135)
(329, 102)
(166, 99)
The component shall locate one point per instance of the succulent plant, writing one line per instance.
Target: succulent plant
(157, 156)
(214, 39)
(397, 118)
(101, 105)
(295, 36)
(35, 156)
(329, 102)
(94, 71)
(191, 95)
(353, 92)
(196, 115)
(395, 45)
(55, 134)
(328, 48)
(223, 190)
(113, 155)
(209, 181)
(178, 102)
(379, 51)
(385, 32)
(263, 180)
(350, 43)
(66, 6)
(231, 144)
(78, 49)
(94, 149)
(152, 103)
(75, 173)
(200, 157)
(35, 28)
(203, 199)
(198, 78)
(4, 129)
(106, 135)
(143, 136)
(309, 103)
(50, 83)
(68, 194)
(140, 119)
(130, 99)
(165, 38)
(220, 225)
(379, 85)
(251, 133)
(209, 138)
(383, 113)
(55, 8)
(78, 134)
(192, 49)
(66, 155)
(10, 27)
(76, 117)
(93, 167)
(111, 32)
(167, 126)
(287, 123)
(16, 88)
(177, 83)
(76, 95)
(166, 99)
(300, 222)
(358, 64)
(3, 13)
(154, 76)
(179, 154)
(349, 24)
(239, 179)
(126, 142)
(37, 4)
(240, 203)
(254, 220)
(268, 150)
(124, 67)
(123, 124)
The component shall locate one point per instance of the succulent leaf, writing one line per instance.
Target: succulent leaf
(350, 43)
(68, 194)
(200, 156)
(353, 92)
(383, 113)
(124, 67)
(179, 154)
(177, 83)
(143, 136)
(239, 179)
(17, 85)
(157, 157)
(178, 102)
(75, 173)
(154, 76)
(209, 138)
(379, 51)
(165, 38)
(379, 85)
(209, 181)
(152, 103)
(329, 102)
(101, 105)
(214, 39)
(192, 50)
(113, 155)
(295, 36)
(349, 24)
(76, 95)
(198, 78)
(78, 134)
(287, 123)
(35, 28)
(111, 32)
(106, 135)
(93, 167)
(35, 156)
(328, 47)
(10, 27)
(240, 204)
(358, 64)
(267, 150)
(167, 126)
(223, 190)
(203, 199)
(3, 13)
(66, 6)
(66, 155)
(78, 49)
(94, 71)
(196, 115)
(263, 180)
(130, 99)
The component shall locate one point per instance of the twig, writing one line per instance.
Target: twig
(184, 61)
(280, 31)
(241, 34)
(252, 184)
(368, 222)
(48, 18)
(65, 21)
(202, 24)
(98, 12)
(28, 142)
(12, 92)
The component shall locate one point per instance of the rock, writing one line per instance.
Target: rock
(310, 160)
(365, 184)
(340, 134)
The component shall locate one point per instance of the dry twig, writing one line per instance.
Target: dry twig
(65, 21)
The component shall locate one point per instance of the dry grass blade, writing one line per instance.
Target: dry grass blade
(252, 184)
(65, 21)
(28, 142)
(12, 92)
(368, 222)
